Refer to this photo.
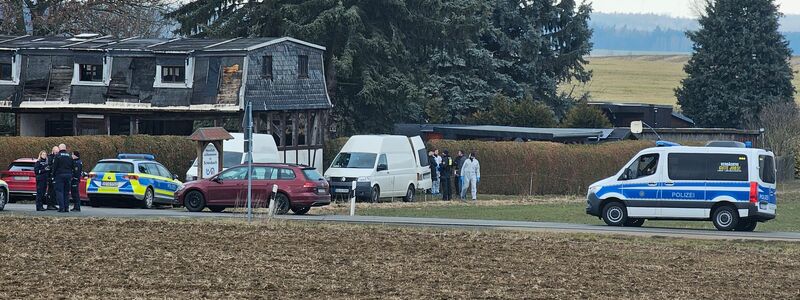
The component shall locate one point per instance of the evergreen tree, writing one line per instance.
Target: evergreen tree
(739, 65)
(583, 115)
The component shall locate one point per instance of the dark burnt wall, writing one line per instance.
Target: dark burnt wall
(285, 91)
(217, 80)
(46, 77)
(171, 97)
(132, 80)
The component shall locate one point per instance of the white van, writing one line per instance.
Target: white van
(732, 187)
(382, 166)
(264, 151)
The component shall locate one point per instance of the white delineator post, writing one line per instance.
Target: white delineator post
(272, 200)
(353, 201)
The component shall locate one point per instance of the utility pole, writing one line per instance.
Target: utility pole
(249, 143)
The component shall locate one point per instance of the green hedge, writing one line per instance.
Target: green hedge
(174, 152)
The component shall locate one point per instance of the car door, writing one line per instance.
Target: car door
(383, 176)
(228, 188)
(641, 185)
(422, 165)
(262, 185)
(167, 183)
(684, 186)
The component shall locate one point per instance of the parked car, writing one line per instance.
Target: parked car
(299, 189)
(3, 194)
(131, 178)
(22, 181)
(382, 166)
(264, 151)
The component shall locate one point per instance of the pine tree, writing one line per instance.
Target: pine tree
(739, 65)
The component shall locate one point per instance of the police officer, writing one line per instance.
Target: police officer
(51, 179)
(62, 168)
(77, 173)
(42, 171)
(447, 173)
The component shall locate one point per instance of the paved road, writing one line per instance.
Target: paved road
(28, 209)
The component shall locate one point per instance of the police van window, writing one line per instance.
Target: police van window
(644, 166)
(726, 167)
(766, 168)
(686, 166)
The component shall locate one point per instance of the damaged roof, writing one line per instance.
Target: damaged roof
(181, 45)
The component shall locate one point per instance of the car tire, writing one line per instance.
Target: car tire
(3, 199)
(282, 204)
(615, 214)
(411, 194)
(634, 222)
(149, 198)
(746, 225)
(375, 196)
(94, 202)
(725, 218)
(216, 209)
(300, 210)
(194, 201)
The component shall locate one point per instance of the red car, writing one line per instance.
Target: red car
(299, 189)
(22, 181)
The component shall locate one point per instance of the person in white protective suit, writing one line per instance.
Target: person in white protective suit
(472, 176)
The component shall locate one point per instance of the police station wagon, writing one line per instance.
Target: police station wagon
(131, 178)
(732, 187)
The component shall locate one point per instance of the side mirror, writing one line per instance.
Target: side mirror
(216, 179)
(174, 177)
(382, 167)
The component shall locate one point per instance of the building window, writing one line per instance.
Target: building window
(93, 73)
(173, 74)
(302, 66)
(6, 72)
(266, 67)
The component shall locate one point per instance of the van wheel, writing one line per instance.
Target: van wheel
(725, 218)
(410, 194)
(194, 201)
(746, 225)
(614, 214)
(634, 223)
(375, 197)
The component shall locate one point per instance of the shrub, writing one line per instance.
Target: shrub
(584, 116)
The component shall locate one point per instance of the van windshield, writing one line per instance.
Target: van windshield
(354, 160)
(230, 159)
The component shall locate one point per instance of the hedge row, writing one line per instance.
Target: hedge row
(174, 152)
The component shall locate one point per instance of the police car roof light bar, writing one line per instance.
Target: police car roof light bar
(136, 156)
(666, 144)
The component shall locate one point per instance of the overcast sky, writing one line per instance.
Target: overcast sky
(675, 8)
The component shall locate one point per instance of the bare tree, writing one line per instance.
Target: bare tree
(698, 7)
(781, 124)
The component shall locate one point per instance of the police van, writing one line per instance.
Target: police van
(732, 186)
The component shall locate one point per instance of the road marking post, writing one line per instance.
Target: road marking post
(353, 201)
(272, 200)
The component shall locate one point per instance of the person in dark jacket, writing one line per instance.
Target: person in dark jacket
(434, 173)
(77, 173)
(42, 172)
(447, 173)
(51, 180)
(62, 168)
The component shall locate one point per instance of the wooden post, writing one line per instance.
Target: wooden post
(200, 147)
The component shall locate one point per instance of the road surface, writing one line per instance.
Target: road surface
(29, 209)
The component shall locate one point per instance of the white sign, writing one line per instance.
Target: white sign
(636, 127)
(210, 161)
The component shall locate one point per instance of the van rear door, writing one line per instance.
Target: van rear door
(423, 168)
(767, 200)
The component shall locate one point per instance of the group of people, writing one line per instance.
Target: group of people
(465, 169)
(58, 175)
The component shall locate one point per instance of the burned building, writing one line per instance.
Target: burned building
(98, 85)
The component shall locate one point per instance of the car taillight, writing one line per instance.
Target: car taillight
(309, 185)
(753, 192)
(131, 177)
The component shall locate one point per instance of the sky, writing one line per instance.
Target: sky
(674, 8)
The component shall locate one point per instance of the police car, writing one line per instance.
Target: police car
(733, 186)
(131, 178)
(3, 194)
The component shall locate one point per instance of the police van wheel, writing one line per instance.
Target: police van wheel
(148, 198)
(725, 218)
(3, 198)
(634, 222)
(194, 201)
(410, 194)
(614, 214)
(746, 225)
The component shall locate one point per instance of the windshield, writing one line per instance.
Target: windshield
(355, 160)
(18, 166)
(113, 167)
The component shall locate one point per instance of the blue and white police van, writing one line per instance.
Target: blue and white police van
(734, 187)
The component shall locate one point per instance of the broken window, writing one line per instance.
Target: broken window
(91, 72)
(173, 74)
(302, 66)
(5, 71)
(266, 67)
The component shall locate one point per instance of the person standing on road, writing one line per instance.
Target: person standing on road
(434, 173)
(438, 159)
(62, 168)
(459, 179)
(472, 176)
(447, 173)
(51, 179)
(77, 173)
(42, 172)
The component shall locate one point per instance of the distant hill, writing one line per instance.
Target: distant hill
(658, 33)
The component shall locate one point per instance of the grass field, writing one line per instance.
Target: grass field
(126, 258)
(641, 79)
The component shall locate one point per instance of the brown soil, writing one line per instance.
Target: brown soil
(128, 258)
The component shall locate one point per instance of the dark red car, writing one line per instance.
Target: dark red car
(299, 189)
(22, 181)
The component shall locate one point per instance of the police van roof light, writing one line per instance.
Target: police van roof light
(136, 156)
(666, 144)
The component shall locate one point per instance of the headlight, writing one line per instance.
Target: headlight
(594, 189)
(363, 179)
(327, 178)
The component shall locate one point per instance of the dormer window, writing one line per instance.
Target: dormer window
(92, 70)
(9, 68)
(6, 72)
(302, 66)
(92, 73)
(174, 72)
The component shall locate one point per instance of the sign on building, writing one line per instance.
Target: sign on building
(210, 161)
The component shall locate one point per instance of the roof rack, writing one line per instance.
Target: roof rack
(727, 144)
